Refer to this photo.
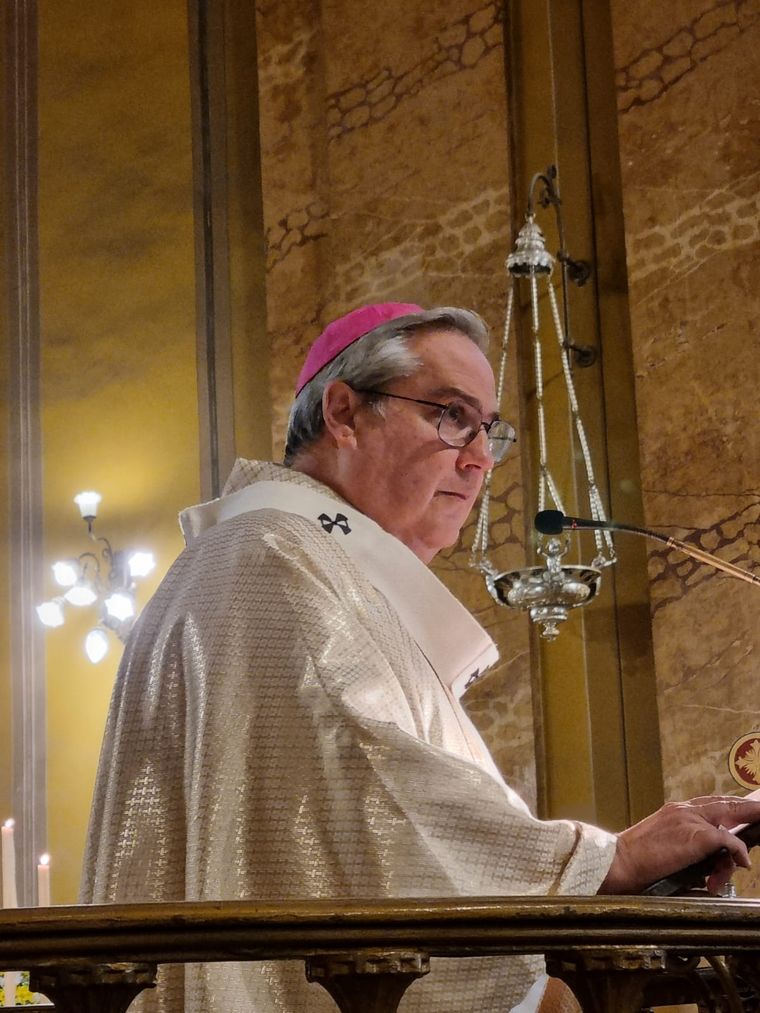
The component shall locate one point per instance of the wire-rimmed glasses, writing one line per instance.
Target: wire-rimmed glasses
(459, 423)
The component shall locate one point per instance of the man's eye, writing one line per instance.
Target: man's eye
(458, 413)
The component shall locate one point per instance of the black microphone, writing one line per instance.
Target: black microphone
(554, 522)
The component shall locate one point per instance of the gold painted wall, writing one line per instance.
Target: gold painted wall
(117, 336)
(689, 118)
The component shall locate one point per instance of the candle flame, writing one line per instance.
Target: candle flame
(9, 823)
(45, 859)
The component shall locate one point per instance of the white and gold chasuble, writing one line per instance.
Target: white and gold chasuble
(285, 725)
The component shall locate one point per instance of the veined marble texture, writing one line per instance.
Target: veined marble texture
(689, 121)
(384, 167)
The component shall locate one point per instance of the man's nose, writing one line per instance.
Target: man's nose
(477, 452)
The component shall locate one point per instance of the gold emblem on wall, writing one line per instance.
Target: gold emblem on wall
(744, 760)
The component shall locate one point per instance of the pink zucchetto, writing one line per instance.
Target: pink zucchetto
(344, 331)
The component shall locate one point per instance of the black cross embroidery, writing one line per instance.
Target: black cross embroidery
(340, 522)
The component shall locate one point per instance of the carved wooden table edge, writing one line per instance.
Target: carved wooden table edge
(607, 949)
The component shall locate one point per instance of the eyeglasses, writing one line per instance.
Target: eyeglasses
(459, 423)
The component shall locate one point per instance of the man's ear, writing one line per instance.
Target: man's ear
(340, 404)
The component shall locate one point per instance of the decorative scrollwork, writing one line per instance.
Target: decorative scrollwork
(369, 981)
(93, 988)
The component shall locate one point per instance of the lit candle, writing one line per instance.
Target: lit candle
(10, 898)
(43, 881)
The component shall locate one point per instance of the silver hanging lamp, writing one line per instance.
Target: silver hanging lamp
(547, 591)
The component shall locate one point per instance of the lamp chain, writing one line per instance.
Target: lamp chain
(602, 539)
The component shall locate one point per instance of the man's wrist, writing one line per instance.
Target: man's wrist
(618, 874)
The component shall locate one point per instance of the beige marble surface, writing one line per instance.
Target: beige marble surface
(384, 148)
(384, 143)
(689, 118)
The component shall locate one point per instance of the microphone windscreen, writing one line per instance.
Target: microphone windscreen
(549, 522)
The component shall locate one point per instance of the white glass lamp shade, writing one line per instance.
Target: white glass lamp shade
(141, 563)
(120, 605)
(65, 573)
(96, 645)
(88, 503)
(80, 595)
(51, 613)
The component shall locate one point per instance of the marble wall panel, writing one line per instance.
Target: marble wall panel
(689, 122)
(384, 150)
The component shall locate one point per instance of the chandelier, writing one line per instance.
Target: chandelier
(550, 589)
(99, 577)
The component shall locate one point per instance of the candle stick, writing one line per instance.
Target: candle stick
(10, 897)
(10, 982)
(43, 881)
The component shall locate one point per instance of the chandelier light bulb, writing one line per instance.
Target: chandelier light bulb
(96, 646)
(88, 503)
(120, 605)
(51, 613)
(141, 563)
(65, 573)
(80, 594)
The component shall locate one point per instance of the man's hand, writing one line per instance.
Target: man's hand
(677, 835)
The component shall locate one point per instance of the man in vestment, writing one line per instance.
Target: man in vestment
(286, 721)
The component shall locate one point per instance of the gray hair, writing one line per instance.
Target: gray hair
(379, 356)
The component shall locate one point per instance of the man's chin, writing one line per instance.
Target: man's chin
(447, 540)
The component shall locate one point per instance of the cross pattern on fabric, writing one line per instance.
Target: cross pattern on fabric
(341, 521)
